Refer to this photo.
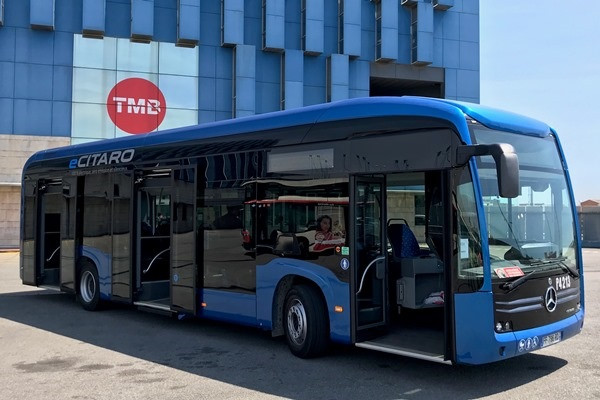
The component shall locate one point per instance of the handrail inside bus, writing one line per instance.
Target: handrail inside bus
(366, 270)
(154, 259)
(53, 253)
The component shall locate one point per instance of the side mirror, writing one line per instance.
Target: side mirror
(507, 164)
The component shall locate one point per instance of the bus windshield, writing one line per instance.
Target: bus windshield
(534, 231)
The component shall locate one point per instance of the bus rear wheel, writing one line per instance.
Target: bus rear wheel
(89, 288)
(305, 322)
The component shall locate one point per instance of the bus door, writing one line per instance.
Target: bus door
(153, 238)
(49, 232)
(29, 236)
(183, 242)
(369, 254)
(68, 234)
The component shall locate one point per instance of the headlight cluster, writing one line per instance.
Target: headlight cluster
(503, 326)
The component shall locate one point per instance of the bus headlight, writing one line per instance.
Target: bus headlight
(503, 326)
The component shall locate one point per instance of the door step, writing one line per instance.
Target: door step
(421, 355)
(370, 315)
(154, 307)
(50, 287)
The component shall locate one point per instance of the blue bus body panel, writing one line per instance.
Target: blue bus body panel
(474, 326)
(531, 339)
(336, 293)
(103, 265)
(478, 343)
(228, 306)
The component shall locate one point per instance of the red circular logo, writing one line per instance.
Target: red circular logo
(136, 105)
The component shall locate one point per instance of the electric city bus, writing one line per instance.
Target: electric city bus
(422, 227)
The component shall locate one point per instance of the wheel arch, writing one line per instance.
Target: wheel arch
(103, 263)
(283, 286)
(274, 280)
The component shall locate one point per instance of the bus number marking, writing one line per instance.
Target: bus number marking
(563, 282)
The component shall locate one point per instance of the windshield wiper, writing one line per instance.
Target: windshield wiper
(510, 286)
(572, 271)
(557, 262)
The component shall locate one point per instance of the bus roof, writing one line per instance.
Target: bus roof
(500, 119)
(359, 108)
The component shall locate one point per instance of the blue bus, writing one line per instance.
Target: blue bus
(422, 227)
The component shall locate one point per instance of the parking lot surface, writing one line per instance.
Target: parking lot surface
(51, 348)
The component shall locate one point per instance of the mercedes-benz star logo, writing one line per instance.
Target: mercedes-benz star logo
(550, 299)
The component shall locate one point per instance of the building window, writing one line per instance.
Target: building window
(378, 31)
(1, 12)
(264, 23)
(222, 21)
(413, 35)
(328, 79)
(233, 83)
(303, 25)
(282, 84)
(341, 26)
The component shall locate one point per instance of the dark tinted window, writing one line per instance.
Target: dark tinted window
(121, 240)
(228, 263)
(97, 213)
(183, 246)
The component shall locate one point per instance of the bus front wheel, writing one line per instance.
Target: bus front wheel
(89, 288)
(305, 322)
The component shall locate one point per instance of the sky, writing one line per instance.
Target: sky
(541, 58)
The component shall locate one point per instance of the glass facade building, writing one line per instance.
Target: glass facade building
(72, 71)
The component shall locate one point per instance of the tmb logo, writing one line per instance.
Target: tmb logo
(136, 105)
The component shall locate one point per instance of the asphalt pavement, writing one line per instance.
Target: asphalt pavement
(51, 348)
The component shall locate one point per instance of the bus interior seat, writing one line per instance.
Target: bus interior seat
(287, 245)
(416, 273)
(273, 236)
(403, 241)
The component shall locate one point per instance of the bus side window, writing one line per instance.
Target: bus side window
(467, 235)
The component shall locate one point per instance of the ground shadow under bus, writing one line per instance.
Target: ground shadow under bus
(221, 352)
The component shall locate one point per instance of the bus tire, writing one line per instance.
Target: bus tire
(88, 294)
(305, 322)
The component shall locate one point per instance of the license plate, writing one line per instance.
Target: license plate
(550, 339)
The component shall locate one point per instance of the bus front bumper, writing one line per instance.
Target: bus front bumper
(512, 344)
